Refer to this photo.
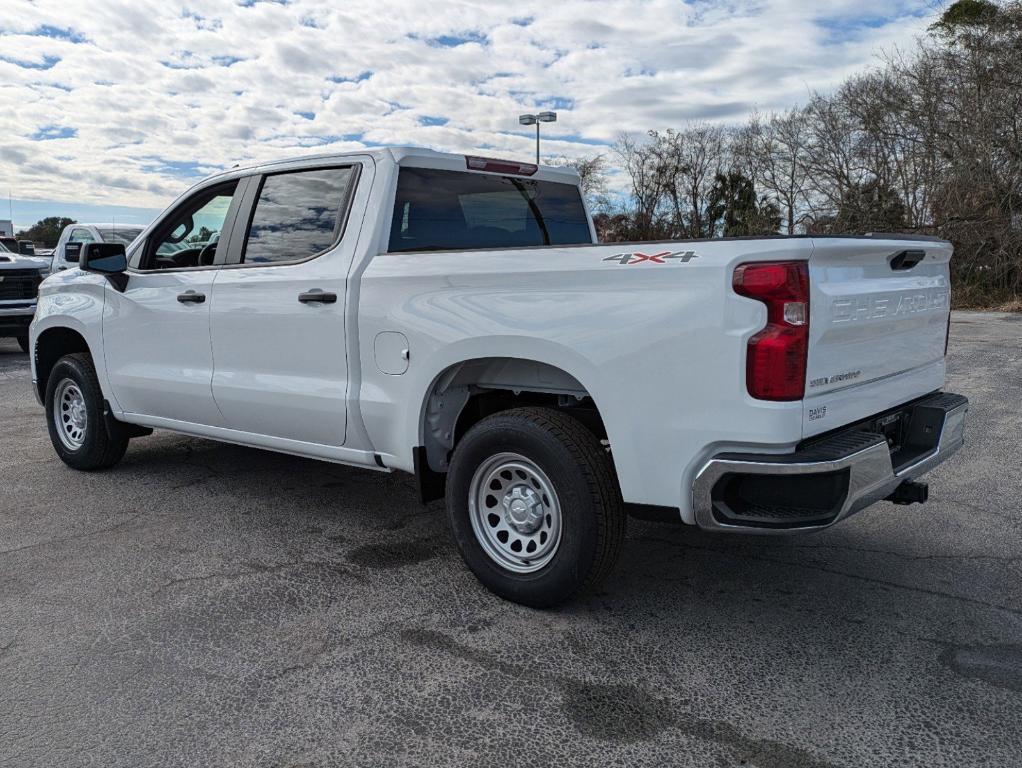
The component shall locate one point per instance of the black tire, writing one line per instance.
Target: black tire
(104, 441)
(23, 343)
(592, 515)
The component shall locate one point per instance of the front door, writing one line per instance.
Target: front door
(278, 309)
(156, 333)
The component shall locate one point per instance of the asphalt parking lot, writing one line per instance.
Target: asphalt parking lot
(204, 604)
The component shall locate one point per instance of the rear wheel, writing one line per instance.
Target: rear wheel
(535, 506)
(23, 342)
(82, 434)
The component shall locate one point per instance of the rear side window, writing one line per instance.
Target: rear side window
(123, 236)
(450, 210)
(81, 236)
(298, 215)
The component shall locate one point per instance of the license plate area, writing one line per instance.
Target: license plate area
(911, 431)
(893, 426)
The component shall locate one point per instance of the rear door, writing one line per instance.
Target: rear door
(278, 322)
(878, 326)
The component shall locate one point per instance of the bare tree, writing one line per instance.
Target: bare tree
(672, 174)
(650, 179)
(778, 151)
(696, 155)
(592, 172)
(925, 142)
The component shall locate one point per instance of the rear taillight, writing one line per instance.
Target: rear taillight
(775, 364)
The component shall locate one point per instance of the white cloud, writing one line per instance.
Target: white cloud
(160, 93)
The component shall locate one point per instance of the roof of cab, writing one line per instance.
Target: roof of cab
(108, 225)
(411, 156)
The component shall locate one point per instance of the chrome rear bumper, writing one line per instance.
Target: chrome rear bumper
(846, 472)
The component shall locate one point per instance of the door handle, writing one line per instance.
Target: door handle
(191, 297)
(316, 295)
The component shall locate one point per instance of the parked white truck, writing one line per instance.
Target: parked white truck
(454, 317)
(74, 236)
(20, 277)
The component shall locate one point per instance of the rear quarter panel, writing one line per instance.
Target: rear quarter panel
(660, 347)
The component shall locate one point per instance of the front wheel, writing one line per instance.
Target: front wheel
(82, 435)
(535, 506)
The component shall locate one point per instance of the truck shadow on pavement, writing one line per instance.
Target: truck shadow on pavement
(880, 577)
(12, 359)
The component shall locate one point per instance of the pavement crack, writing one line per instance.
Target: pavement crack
(5, 649)
(984, 510)
(846, 574)
(319, 652)
(899, 555)
(204, 577)
(75, 537)
(258, 569)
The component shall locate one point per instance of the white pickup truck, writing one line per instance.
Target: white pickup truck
(20, 276)
(454, 317)
(74, 236)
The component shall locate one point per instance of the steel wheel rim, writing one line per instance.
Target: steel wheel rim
(70, 414)
(515, 513)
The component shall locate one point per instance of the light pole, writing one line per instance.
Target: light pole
(542, 117)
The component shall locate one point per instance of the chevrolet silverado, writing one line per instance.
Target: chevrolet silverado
(455, 317)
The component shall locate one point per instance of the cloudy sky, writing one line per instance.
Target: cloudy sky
(116, 107)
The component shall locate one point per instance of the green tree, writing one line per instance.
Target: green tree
(734, 209)
(201, 236)
(46, 231)
(868, 207)
(965, 14)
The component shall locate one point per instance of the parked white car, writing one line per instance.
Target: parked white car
(77, 235)
(455, 318)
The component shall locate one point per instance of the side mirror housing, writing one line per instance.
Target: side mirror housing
(109, 259)
(26, 248)
(72, 252)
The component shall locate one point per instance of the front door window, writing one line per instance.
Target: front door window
(189, 236)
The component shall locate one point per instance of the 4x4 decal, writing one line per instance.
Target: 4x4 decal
(637, 257)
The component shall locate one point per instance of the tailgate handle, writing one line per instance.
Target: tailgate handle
(907, 259)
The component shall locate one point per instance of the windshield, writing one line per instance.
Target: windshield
(121, 235)
(3, 249)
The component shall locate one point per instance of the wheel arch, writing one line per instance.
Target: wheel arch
(468, 389)
(51, 344)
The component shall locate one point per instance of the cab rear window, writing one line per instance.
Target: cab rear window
(451, 210)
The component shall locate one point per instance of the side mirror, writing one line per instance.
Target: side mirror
(72, 251)
(26, 248)
(109, 259)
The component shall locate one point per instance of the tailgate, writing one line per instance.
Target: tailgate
(877, 328)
